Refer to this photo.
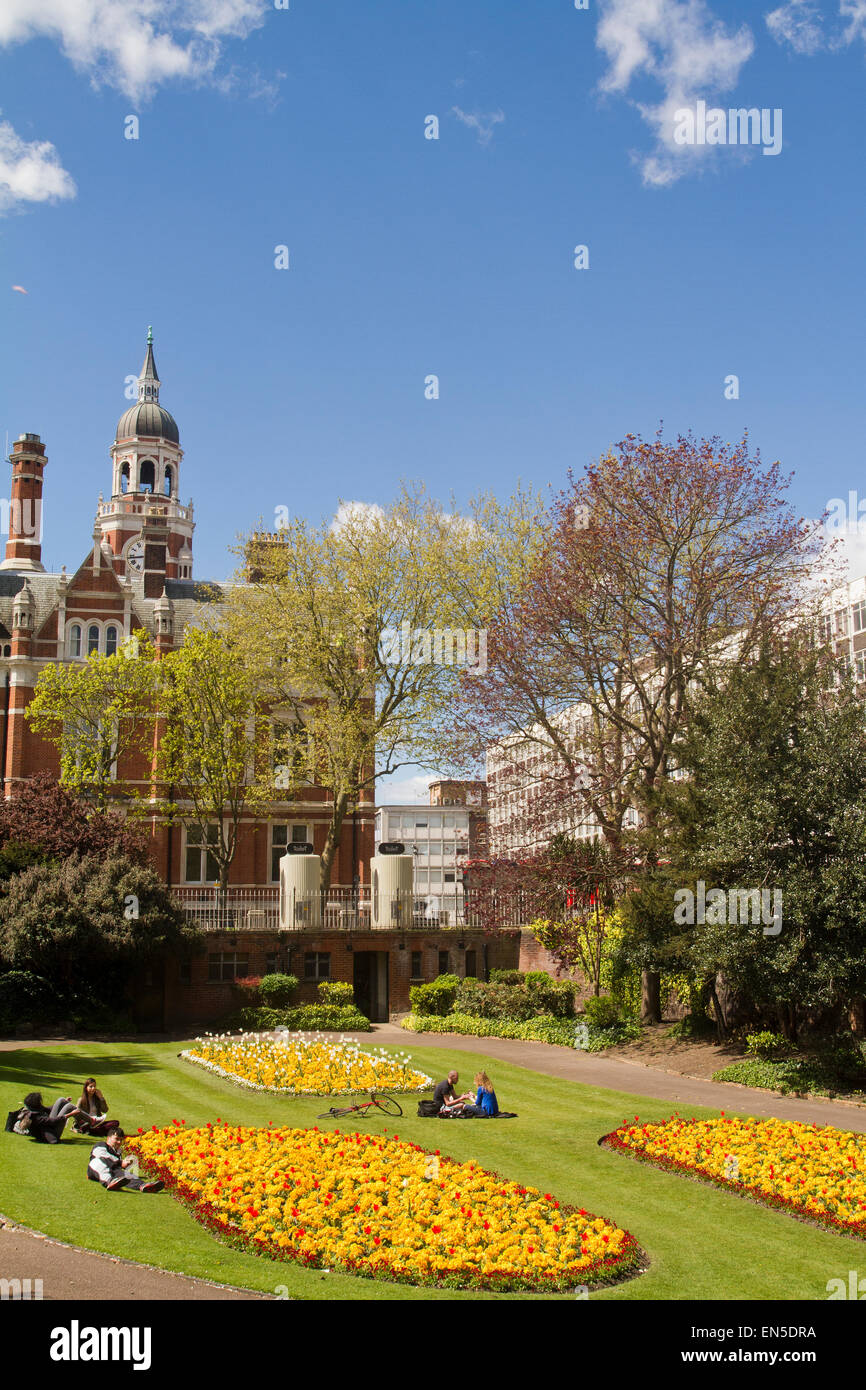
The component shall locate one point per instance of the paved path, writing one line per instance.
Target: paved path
(69, 1273)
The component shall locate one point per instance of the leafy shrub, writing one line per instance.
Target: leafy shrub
(506, 977)
(559, 1031)
(435, 998)
(602, 1010)
(26, 998)
(494, 1000)
(277, 990)
(765, 1044)
(600, 1038)
(549, 996)
(338, 992)
(305, 1018)
(833, 1064)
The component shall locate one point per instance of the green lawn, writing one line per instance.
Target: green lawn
(702, 1243)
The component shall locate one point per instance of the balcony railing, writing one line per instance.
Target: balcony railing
(341, 908)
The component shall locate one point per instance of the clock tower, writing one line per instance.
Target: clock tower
(144, 525)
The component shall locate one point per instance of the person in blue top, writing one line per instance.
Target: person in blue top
(486, 1106)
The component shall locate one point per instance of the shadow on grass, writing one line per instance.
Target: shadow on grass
(36, 1070)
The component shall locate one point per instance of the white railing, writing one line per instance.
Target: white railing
(340, 908)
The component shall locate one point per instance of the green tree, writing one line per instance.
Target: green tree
(211, 741)
(773, 799)
(338, 625)
(85, 923)
(98, 713)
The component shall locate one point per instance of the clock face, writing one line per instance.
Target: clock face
(135, 557)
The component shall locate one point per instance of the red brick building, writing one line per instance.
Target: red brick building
(137, 573)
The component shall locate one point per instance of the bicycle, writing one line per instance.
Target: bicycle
(387, 1104)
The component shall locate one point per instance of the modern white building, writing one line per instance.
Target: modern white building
(440, 836)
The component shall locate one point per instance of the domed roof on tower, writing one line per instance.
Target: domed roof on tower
(147, 417)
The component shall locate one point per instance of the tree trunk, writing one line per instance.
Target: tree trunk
(332, 841)
(721, 1021)
(650, 997)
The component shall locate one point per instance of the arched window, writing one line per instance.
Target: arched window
(110, 641)
(124, 477)
(168, 481)
(92, 639)
(147, 476)
(75, 640)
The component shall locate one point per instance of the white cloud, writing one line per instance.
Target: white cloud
(483, 125)
(855, 12)
(680, 46)
(351, 513)
(402, 791)
(799, 23)
(134, 47)
(30, 171)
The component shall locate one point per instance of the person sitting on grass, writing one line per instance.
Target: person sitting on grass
(107, 1165)
(44, 1125)
(92, 1117)
(447, 1101)
(486, 1106)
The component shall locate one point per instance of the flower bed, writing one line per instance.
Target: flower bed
(302, 1066)
(815, 1172)
(382, 1208)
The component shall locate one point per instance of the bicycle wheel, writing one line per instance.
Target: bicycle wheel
(388, 1104)
(335, 1114)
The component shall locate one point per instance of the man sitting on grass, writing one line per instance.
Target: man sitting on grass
(446, 1100)
(106, 1165)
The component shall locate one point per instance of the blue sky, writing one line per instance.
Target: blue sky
(305, 127)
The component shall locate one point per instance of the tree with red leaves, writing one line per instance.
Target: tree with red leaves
(662, 565)
(47, 821)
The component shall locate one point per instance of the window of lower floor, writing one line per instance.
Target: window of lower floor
(317, 965)
(227, 965)
(443, 963)
(417, 967)
(471, 964)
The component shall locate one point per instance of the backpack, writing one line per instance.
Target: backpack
(18, 1122)
(427, 1109)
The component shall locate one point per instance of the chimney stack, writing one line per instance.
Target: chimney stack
(24, 514)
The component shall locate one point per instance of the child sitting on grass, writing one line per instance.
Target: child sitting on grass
(107, 1164)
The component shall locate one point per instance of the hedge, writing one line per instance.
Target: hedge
(304, 1018)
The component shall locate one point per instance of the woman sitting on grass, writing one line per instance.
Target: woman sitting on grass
(92, 1117)
(107, 1164)
(44, 1125)
(486, 1106)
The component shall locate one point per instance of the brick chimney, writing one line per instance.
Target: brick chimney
(24, 546)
